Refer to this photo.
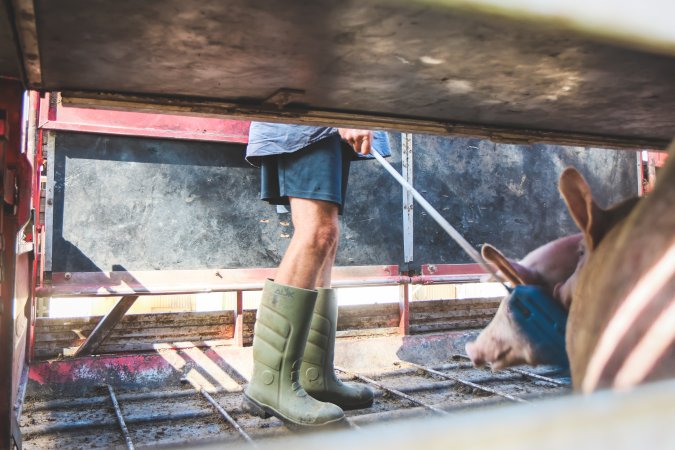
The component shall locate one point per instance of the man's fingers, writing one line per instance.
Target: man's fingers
(365, 145)
(359, 139)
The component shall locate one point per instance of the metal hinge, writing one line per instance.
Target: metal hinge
(22, 244)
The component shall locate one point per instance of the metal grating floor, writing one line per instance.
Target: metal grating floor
(179, 414)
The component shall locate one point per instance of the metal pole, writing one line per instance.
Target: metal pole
(526, 373)
(393, 391)
(221, 411)
(466, 246)
(467, 383)
(120, 418)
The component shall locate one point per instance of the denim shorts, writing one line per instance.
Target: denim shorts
(318, 171)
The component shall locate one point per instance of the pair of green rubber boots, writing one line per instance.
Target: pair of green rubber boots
(293, 348)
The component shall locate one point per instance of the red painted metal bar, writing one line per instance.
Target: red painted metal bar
(55, 116)
(114, 284)
(172, 282)
(239, 320)
(15, 267)
(404, 309)
(449, 273)
(34, 142)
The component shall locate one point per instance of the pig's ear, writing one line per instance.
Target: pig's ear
(583, 209)
(514, 272)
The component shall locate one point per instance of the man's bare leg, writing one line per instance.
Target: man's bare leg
(324, 278)
(313, 246)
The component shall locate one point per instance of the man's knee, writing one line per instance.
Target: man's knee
(323, 237)
(326, 236)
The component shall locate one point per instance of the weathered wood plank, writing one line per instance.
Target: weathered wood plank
(454, 304)
(368, 332)
(448, 326)
(151, 332)
(346, 312)
(182, 318)
(444, 315)
(142, 332)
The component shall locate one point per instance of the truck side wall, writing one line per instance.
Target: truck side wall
(125, 203)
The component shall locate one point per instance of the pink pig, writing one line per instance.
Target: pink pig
(502, 343)
(621, 325)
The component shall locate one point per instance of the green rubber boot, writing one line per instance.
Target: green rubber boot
(317, 374)
(279, 341)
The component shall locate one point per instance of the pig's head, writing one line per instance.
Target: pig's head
(504, 342)
(593, 221)
(547, 266)
(553, 267)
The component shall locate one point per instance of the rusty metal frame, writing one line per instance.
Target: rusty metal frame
(404, 309)
(15, 258)
(120, 418)
(449, 273)
(221, 411)
(239, 320)
(130, 285)
(57, 117)
(105, 326)
(173, 282)
(270, 113)
(395, 392)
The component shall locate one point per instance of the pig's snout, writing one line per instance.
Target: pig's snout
(476, 356)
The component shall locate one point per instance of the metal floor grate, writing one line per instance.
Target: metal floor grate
(188, 414)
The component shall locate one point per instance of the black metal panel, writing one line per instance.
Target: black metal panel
(372, 226)
(506, 195)
(379, 58)
(140, 204)
(125, 203)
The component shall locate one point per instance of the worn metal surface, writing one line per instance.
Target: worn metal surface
(467, 72)
(15, 265)
(506, 195)
(139, 332)
(155, 282)
(65, 408)
(125, 203)
(146, 204)
(56, 337)
(54, 116)
(105, 326)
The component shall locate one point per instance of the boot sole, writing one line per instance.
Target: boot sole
(363, 405)
(345, 407)
(264, 411)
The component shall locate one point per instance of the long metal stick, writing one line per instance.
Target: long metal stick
(526, 373)
(221, 411)
(467, 383)
(120, 418)
(393, 391)
(454, 234)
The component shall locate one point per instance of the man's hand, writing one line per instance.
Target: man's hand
(359, 139)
